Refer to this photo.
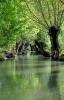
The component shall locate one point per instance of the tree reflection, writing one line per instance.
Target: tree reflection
(28, 78)
(53, 81)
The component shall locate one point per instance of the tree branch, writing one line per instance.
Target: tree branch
(40, 5)
(61, 17)
(58, 14)
(54, 9)
(36, 18)
(49, 13)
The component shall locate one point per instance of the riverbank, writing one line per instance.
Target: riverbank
(9, 55)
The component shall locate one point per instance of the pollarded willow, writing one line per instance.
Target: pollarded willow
(50, 15)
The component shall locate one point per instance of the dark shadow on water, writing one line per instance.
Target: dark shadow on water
(53, 81)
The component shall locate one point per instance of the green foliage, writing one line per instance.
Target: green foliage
(47, 13)
(17, 22)
(11, 22)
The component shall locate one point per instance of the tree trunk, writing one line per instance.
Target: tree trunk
(54, 43)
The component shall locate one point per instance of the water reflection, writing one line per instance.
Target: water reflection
(53, 81)
(30, 78)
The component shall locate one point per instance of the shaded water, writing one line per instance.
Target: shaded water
(31, 78)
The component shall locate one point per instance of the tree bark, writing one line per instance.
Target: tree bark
(53, 32)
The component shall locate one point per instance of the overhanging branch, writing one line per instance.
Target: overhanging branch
(35, 18)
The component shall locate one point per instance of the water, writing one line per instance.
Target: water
(31, 78)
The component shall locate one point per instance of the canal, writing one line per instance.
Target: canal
(31, 78)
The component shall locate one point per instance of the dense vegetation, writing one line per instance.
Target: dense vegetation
(18, 20)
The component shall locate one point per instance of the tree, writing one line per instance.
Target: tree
(50, 15)
(12, 22)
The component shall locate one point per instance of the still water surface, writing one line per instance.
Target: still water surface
(31, 78)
